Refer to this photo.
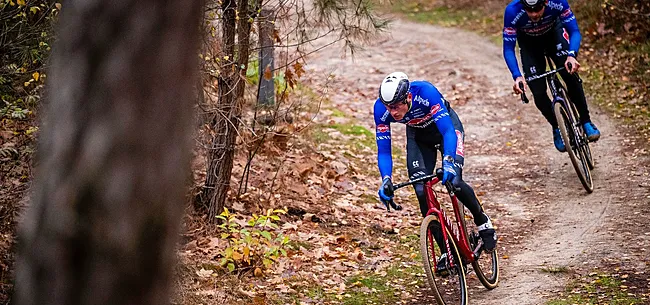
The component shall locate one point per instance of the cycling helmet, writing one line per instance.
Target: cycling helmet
(533, 5)
(394, 88)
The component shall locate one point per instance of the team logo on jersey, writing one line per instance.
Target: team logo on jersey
(565, 35)
(460, 146)
(385, 115)
(514, 21)
(509, 31)
(566, 13)
(422, 101)
(382, 128)
(426, 119)
(555, 6)
(435, 108)
(419, 120)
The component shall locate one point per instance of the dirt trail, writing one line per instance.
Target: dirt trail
(545, 220)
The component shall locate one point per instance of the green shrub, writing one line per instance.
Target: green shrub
(253, 244)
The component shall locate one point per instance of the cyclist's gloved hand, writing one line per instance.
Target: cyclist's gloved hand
(386, 190)
(516, 87)
(571, 64)
(449, 171)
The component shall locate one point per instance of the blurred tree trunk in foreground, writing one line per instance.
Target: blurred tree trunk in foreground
(113, 155)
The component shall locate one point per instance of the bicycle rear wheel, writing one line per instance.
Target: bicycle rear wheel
(572, 144)
(448, 288)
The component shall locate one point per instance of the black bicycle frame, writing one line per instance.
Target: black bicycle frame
(553, 83)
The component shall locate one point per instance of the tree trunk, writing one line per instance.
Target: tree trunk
(231, 94)
(113, 155)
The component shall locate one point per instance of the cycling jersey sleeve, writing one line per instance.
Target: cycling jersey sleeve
(382, 132)
(570, 23)
(442, 120)
(510, 40)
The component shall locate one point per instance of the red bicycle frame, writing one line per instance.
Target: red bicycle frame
(458, 230)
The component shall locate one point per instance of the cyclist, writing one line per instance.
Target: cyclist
(430, 121)
(544, 27)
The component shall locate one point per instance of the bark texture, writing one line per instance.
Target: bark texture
(113, 156)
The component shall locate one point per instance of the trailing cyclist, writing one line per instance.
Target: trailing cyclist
(430, 122)
(546, 28)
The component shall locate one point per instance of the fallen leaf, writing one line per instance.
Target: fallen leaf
(204, 273)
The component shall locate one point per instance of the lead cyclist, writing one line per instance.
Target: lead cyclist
(430, 122)
(546, 28)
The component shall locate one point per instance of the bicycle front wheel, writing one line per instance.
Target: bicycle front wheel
(449, 286)
(572, 144)
(586, 151)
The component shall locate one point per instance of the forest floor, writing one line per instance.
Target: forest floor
(557, 244)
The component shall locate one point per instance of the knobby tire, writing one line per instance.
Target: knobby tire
(576, 154)
(429, 225)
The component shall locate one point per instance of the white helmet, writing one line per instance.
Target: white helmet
(533, 5)
(394, 88)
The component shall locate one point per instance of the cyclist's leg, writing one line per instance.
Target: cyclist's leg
(466, 194)
(420, 161)
(534, 62)
(573, 84)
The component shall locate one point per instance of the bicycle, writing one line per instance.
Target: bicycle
(568, 121)
(440, 237)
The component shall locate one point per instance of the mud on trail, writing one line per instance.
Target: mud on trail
(550, 229)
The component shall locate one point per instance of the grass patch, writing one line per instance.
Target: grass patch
(338, 113)
(371, 288)
(363, 138)
(411, 240)
(368, 198)
(354, 130)
(317, 135)
(601, 289)
(376, 290)
(315, 292)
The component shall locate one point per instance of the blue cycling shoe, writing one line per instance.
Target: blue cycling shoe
(557, 139)
(591, 131)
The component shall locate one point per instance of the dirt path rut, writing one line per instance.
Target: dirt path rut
(546, 221)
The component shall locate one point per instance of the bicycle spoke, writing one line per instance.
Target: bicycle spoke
(447, 283)
(575, 151)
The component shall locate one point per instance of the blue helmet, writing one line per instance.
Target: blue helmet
(394, 88)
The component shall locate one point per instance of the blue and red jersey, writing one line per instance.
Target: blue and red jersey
(428, 107)
(516, 22)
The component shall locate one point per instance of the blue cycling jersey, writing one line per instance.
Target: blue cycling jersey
(427, 107)
(516, 21)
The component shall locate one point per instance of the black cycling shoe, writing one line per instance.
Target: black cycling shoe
(442, 268)
(489, 238)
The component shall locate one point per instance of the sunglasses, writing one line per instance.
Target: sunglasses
(396, 105)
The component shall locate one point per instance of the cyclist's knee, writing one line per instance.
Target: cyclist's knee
(459, 183)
